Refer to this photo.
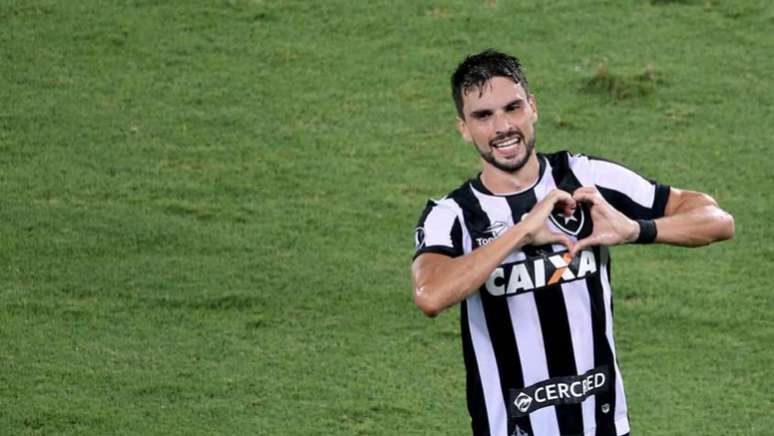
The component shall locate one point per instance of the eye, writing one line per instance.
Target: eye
(512, 107)
(481, 115)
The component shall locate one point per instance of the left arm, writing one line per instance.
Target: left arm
(693, 219)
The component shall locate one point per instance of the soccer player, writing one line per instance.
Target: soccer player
(523, 247)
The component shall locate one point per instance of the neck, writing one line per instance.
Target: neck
(502, 182)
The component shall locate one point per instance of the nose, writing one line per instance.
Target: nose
(502, 123)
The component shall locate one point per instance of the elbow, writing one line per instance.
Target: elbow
(727, 228)
(724, 220)
(424, 300)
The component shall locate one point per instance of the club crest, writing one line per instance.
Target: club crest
(573, 224)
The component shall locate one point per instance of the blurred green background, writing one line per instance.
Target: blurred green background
(208, 207)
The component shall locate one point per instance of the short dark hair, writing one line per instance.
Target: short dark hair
(479, 68)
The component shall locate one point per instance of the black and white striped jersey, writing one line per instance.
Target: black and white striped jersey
(537, 337)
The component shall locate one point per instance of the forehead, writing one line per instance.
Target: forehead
(497, 92)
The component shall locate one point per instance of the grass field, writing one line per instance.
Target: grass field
(208, 207)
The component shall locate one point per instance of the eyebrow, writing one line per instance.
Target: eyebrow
(483, 112)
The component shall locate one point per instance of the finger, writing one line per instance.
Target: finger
(567, 242)
(567, 204)
(583, 243)
(590, 189)
(550, 237)
(560, 196)
(586, 196)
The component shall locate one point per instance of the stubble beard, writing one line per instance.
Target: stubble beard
(510, 167)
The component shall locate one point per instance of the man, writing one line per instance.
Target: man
(523, 247)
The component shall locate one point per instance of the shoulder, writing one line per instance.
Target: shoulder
(566, 165)
(589, 169)
(445, 209)
(453, 202)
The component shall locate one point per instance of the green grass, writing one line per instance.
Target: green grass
(208, 207)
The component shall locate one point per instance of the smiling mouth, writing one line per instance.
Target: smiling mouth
(510, 141)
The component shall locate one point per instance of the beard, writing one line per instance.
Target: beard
(510, 167)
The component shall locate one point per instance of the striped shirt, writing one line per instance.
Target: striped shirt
(537, 337)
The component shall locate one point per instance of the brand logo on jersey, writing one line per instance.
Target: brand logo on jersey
(522, 402)
(558, 390)
(571, 224)
(496, 229)
(419, 237)
(539, 272)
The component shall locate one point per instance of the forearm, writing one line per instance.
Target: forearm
(695, 221)
(452, 280)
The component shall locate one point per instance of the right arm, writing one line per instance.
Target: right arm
(441, 281)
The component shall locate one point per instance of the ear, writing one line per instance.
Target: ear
(533, 106)
(462, 127)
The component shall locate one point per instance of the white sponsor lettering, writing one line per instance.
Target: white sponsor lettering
(599, 379)
(493, 288)
(573, 385)
(534, 273)
(569, 390)
(520, 279)
(563, 390)
(551, 392)
(540, 273)
(559, 262)
(587, 264)
(539, 397)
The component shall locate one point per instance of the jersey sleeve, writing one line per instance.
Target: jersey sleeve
(438, 231)
(630, 193)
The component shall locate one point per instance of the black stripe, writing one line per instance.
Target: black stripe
(456, 235)
(479, 422)
(497, 315)
(560, 358)
(499, 324)
(564, 178)
(552, 312)
(454, 251)
(440, 249)
(603, 354)
(428, 207)
(660, 200)
(624, 204)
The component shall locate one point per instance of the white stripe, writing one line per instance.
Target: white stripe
(624, 180)
(529, 339)
(439, 222)
(529, 336)
(578, 304)
(621, 417)
(487, 367)
(451, 204)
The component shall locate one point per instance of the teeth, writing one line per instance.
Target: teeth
(508, 143)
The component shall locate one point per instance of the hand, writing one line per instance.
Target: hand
(611, 227)
(536, 232)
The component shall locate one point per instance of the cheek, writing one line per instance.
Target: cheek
(481, 133)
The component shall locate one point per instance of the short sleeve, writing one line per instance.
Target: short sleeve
(627, 191)
(438, 231)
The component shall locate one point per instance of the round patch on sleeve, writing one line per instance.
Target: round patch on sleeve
(419, 237)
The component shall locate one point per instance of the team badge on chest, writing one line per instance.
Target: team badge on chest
(570, 224)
